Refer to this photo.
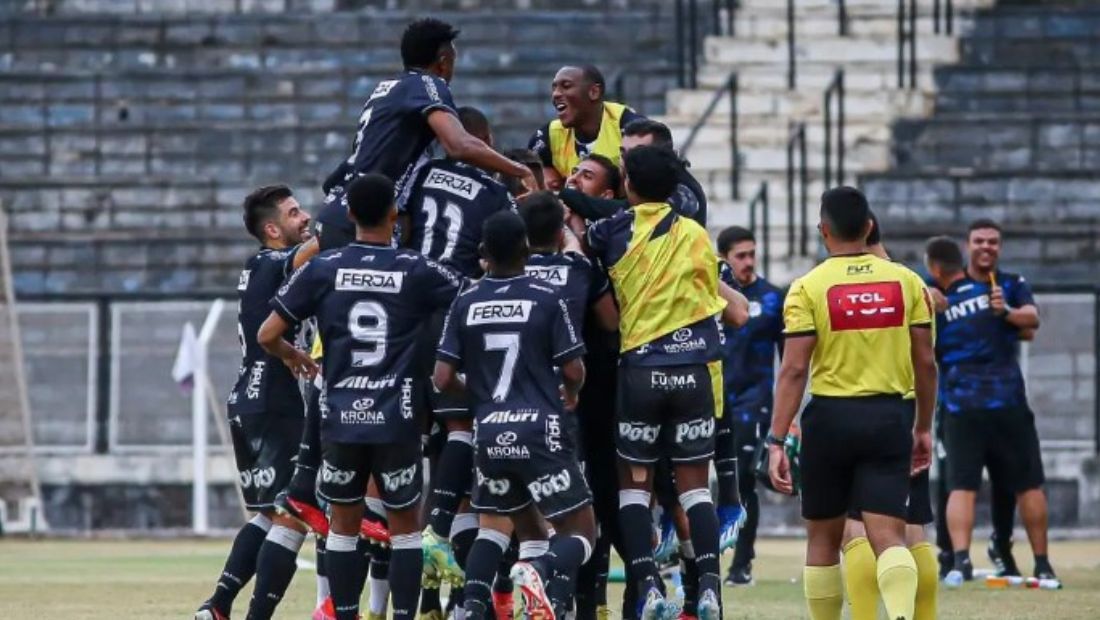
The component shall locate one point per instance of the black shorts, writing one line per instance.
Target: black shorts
(856, 454)
(264, 447)
(444, 405)
(1004, 440)
(553, 480)
(665, 411)
(396, 468)
(919, 508)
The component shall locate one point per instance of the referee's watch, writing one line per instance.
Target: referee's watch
(772, 440)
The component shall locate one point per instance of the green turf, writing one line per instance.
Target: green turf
(110, 579)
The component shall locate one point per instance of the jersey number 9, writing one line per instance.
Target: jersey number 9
(368, 324)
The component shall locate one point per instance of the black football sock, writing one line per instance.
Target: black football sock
(303, 484)
(240, 566)
(481, 567)
(745, 549)
(345, 574)
(725, 462)
(592, 580)
(429, 600)
(962, 561)
(503, 581)
(454, 474)
(406, 567)
(689, 577)
(566, 555)
(379, 579)
(703, 522)
(364, 548)
(634, 521)
(322, 575)
(275, 567)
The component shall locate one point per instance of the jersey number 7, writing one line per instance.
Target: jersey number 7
(509, 343)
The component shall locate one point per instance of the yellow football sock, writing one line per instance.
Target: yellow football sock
(824, 588)
(860, 579)
(897, 581)
(928, 573)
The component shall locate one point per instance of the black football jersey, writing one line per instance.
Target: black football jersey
(580, 283)
(447, 204)
(393, 138)
(264, 384)
(370, 301)
(507, 335)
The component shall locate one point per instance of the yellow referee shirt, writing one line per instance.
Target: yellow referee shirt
(860, 307)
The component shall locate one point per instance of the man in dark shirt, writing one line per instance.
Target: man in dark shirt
(401, 120)
(748, 366)
(508, 332)
(987, 422)
(265, 411)
(370, 301)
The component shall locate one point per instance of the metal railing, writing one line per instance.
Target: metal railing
(690, 35)
(834, 93)
(948, 13)
(796, 148)
(792, 63)
(907, 38)
(728, 89)
(759, 201)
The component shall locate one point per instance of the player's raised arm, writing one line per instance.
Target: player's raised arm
(271, 340)
(463, 146)
(736, 312)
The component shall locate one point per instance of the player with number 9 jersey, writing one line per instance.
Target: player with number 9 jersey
(370, 301)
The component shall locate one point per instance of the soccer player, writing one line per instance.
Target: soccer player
(748, 364)
(401, 120)
(866, 324)
(508, 332)
(860, 578)
(689, 199)
(663, 271)
(596, 176)
(987, 421)
(370, 301)
(265, 411)
(586, 123)
(448, 203)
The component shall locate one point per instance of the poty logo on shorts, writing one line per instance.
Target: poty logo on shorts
(394, 480)
(495, 486)
(453, 183)
(663, 381)
(558, 275)
(369, 280)
(691, 431)
(682, 335)
(553, 433)
(505, 311)
(332, 475)
(636, 431)
(258, 478)
(547, 485)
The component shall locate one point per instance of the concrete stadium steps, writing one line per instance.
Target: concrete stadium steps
(824, 50)
(1007, 89)
(1025, 144)
(218, 7)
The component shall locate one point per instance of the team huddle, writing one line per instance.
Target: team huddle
(554, 333)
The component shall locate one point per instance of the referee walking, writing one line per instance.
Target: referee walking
(865, 324)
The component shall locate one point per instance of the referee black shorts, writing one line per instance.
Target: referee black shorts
(1004, 440)
(919, 508)
(856, 454)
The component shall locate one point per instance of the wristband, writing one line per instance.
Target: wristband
(772, 440)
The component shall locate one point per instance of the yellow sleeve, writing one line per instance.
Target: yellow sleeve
(798, 311)
(920, 304)
(316, 351)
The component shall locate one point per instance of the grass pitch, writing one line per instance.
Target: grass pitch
(108, 579)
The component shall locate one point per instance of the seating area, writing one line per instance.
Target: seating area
(130, 139)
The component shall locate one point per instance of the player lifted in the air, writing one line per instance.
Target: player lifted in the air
(370, 301)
